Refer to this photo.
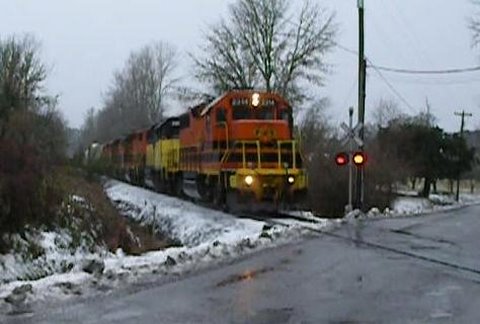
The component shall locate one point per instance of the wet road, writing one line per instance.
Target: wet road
(410, 270)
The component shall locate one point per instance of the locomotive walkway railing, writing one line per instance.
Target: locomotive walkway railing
(253, 154)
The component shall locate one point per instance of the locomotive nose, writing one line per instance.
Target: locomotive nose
(265, 134)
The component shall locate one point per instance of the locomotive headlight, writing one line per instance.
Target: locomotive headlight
(255, 99)
(248, 180)
(291, 179)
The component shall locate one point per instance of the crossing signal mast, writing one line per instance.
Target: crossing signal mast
(362, 67)
(352, 158)
(357, 159)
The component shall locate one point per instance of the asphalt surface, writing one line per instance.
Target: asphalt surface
(410, 270)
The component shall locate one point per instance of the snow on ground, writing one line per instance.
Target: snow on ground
(189, 223)
(408, 205)
(207, 237)
(411, 205)
(205, 234)
(58, 257)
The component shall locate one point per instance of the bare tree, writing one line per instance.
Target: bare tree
(138, 95)
(89, 131)
(385, 111)
(474, 25)
(21, 75)
(266, 43)
(314, 128)
(226, 63)
(148, 78)
(189, 96)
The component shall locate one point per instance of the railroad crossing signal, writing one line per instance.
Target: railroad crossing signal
(352, 134)
(358, 158)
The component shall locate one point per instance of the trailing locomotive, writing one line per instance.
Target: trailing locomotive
(237, 152)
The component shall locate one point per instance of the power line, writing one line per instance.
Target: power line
(392, 88)
(409, 71)
(436, 82)
(346, 49)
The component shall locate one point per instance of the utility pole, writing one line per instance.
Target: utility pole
(350, 163)
(362, 64)
(462, 114)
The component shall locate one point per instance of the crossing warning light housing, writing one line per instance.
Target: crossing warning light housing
(359, 158)
(341, 159)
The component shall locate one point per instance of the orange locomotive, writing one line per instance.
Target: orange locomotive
(238, 152)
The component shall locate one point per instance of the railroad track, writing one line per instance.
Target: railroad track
(286, 219)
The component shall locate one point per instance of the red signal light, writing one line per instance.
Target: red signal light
(359, 158)
(341, 159)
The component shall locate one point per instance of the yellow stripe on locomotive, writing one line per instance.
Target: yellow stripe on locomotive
(167, 154)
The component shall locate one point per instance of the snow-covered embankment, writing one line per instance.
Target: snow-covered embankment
(207, 237)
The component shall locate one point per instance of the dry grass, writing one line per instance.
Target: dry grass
(112, 228)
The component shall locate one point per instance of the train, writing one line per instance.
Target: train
(236, 152)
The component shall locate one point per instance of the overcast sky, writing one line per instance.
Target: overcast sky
(85, 41)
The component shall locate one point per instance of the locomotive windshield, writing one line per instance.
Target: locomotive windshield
(242, 112)
(266, 113)
(245, 112)
(256, 108)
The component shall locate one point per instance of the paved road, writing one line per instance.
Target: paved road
(411, 270)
